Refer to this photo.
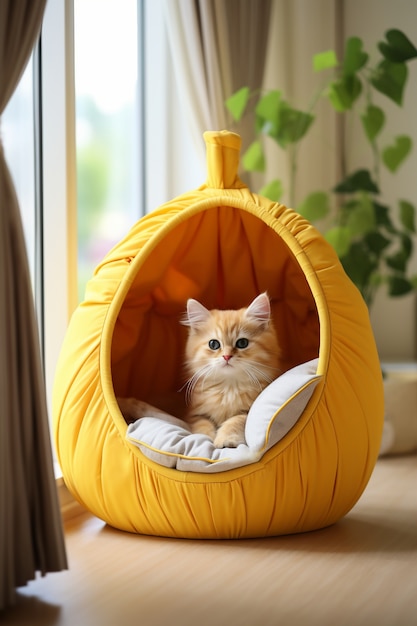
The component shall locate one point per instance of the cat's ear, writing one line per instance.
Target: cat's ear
(196, 313)
(260, 308)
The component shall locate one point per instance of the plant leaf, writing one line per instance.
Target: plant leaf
(253, 159)
(407, 215)
(394, 155)
(355, 58)
(407, 245)
(343, 92)
(398, 261)
(315, 206)
(237, 102)
(358, 181)
(340, 238)
(390, 78)
(399, 286)
(272, 190)
(376, 242)
(293, 125)
(361, 217)
(268, 107)
(382, 216)
(359, 265)
(324, 60)
(373, 121)
(398, 47)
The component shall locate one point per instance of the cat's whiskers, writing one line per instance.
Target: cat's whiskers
(262, 367)
(254, 378)
(253, 370)
(191, 383)
(257, 374)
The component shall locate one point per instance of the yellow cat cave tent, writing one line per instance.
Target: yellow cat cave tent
(313, 435)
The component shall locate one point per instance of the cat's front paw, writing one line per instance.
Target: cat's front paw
(228, 440)
(231, 433)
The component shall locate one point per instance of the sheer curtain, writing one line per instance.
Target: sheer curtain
(31, 537)
(216, 47)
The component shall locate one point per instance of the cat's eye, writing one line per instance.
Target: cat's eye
(242, 343)
(214, 344)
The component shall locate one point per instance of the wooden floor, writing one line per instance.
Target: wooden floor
(363, 570)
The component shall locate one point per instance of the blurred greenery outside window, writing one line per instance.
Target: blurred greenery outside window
(107, 127)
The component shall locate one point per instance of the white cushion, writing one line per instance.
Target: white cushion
(169, 442)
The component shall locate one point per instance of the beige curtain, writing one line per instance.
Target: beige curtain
(31, 537)
(216, 47)
(298, 30)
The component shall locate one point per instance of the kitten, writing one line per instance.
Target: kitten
(230, 357)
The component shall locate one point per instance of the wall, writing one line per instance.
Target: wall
(394, 320)
(299, 29)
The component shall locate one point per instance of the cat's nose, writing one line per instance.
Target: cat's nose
(227, 357)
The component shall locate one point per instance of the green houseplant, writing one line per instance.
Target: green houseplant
(374, 241)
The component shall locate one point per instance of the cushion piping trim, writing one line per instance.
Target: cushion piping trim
(177, 454)
(316, 379)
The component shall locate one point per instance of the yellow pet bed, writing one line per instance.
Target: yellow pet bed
(314, 435)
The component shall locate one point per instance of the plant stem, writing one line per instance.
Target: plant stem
(293, 176)
(373, 142)
(295, 147)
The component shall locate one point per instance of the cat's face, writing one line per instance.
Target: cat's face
(235, 347)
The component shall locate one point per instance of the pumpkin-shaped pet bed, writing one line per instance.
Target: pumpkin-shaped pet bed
(312, 436)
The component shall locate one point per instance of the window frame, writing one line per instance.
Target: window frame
(59, 195)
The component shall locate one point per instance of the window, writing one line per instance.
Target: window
(127, 114)
(107, 127)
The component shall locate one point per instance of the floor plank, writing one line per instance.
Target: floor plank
(362, 570)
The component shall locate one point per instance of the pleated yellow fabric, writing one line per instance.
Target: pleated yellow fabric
(223, 245)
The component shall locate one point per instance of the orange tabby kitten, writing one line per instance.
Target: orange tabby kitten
(231, 356)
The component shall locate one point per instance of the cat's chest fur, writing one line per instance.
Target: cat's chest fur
(219, 402)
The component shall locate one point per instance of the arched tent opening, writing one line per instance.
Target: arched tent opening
(223, 256)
